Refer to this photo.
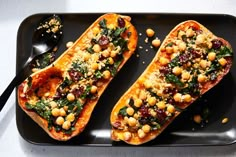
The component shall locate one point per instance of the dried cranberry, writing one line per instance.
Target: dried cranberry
(165, 70)
(161, 115)
(170, 91)
(198, 31)
(194, 53)
(143, 120)
(57, 95)
(121, 22)
(144, 111)
(216, 44)
(117, 124)
(75, 75)
(103, 41)
(78, 91)
(184, 58)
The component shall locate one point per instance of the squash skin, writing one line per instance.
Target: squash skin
(118, 134)
(53, 76)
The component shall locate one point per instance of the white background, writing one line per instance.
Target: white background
(13, 12)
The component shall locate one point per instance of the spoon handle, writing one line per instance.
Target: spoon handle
(20, 76)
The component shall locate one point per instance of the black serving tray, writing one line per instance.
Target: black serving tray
(183, 131)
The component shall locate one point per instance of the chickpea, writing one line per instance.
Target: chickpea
(175, 49)
(152, 101)
(70, 97)
(156, 42)
(95, 57)
(113, 54)
(170, 108)
(203, 64)
(153, 113)
(180, 34)
(66, 125)
(97, 48)
(182, 46)
(187, 98)
(132, 121)
(138, 102)
(201, 78)
(161, 105)
(225, 120)
(94, 66)
(106, 74)
(136, 116)
(211, 56)
(146, 128)
(209, 44)
(69, 44)
(177, 71)
(169, 50)
(130, 111)
(185, 75)
(197, 119)
(178, 97)
(65, 108)
(105, 53)
(164, 61)
(86, 56)
(200, 39)
(189, 32)
(147, 84)
(110, 61)
(127, 136)
(56, 112)
(126, 119)
(62, 112)
(70, 117)
(222, 61)
(59, 120)
(93, 89)
(150, 32)
(142, 95)
(141, 133)
(53, 104)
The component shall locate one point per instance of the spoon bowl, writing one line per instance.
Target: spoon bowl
(45, 38)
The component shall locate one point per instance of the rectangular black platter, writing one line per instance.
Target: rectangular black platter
(183, 131)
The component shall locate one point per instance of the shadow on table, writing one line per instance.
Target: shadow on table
(136, 151)
(4, 122)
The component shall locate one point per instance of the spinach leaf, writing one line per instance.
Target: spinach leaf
(86, 92)
(98, 74)
(90, 49)
(29, 83)
(171, 78)
(122, 43)
(224, 52)
(174, 62)
(29, 106)
(192, 88)
(123, 112)
(103, 23)
(119, 31)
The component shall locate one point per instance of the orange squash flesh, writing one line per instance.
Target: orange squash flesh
(126, 125)
(44, 83)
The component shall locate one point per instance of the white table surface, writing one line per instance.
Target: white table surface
(13, 12)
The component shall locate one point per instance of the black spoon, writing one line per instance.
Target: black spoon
(44, 39)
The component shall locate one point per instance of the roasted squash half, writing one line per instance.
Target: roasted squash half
(62, 96)
(190, 61)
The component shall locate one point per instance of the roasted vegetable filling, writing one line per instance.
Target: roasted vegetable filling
(93, 64)
(185, 64)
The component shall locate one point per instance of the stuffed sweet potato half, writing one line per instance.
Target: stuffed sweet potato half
(62, 96)
(190, 61)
